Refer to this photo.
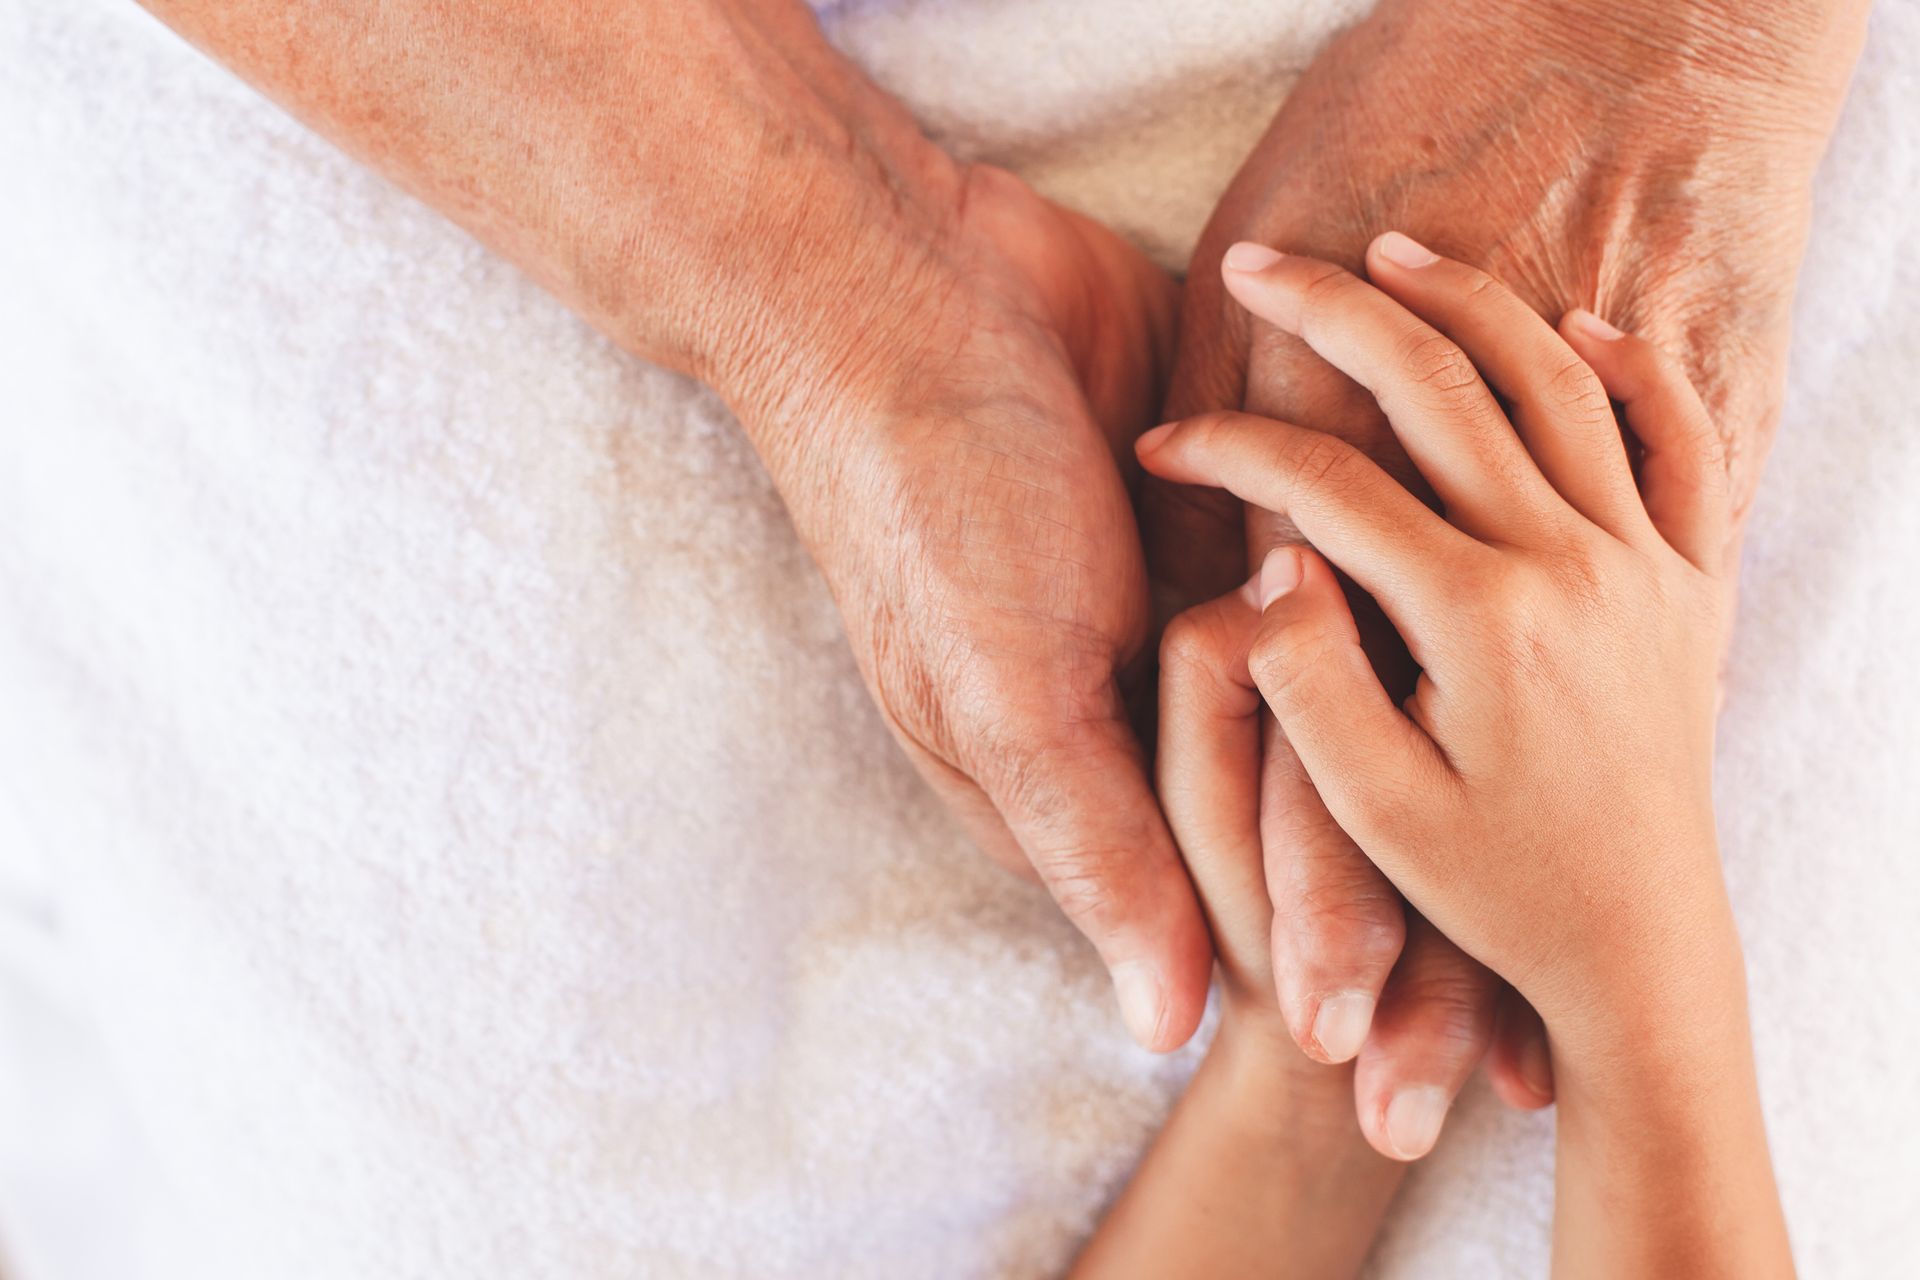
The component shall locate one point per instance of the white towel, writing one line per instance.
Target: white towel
(442, 832)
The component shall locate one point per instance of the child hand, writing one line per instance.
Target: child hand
(1210, 767)
(1544, 795)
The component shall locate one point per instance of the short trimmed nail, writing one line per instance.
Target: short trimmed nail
(1405, 251)
(1138, 989)
(1279, 574)
(1153, 439)
(1414, 1118)
(1247, 256)
(1536, 1068)
(1341, 1026)
(1593, 326)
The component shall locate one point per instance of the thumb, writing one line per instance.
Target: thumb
(1361, 751)
(1074, 792)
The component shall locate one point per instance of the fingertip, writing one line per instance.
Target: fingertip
(1401, 250)
(1247, 258)
(1153, 438)
(1142, 994)
(1682, 472)
(1265, 282)
(1520, 1067)
(1280, 573)
(1536, 1066)
(1410, 1123)
(1340, 1026)
(1623, 362)
(1435, 1023)
(1163, 996)
(1583, 323)
(1514, 1089)
(1162, 1005)
(1099, 840)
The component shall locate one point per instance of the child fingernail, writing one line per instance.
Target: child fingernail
(1414, 1118)
(1247, 256)
(1405, 251)
(1138, 988)
(1150, 440)
(1592, 325)
(1279, 573)
(1341, 1026)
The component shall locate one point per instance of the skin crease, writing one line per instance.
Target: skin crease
(1554, 759)
(1651, 162)
(942, 370)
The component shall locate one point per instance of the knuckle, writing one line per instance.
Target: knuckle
(1209, 432)
(1477, 284)
(1499, 589)
(1431, 361)
(1508, 600)
(1326, 287)
(1454, 1005)
(1320, 461)
(1340, 919)
(1583, 573)
(1303, 834)
(1205, 426)
(1032, 748)
(1281, 659)
(1089, 882)
(1572, 389)
(910, 695)
(1186, 643)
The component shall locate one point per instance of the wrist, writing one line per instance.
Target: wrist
(1279, 1096)
(786, 227)
(804, 339)
(1662, 1165)
(1670, 1012)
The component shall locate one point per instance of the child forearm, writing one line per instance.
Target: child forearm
(1662, 1166)
(1261, 1170)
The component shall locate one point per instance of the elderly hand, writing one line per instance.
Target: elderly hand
(951, 460)
(1646, 159)
(939, 368)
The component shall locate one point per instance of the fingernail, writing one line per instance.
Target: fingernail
(1150, 440)
(1536, 1068)
(1138, 989)
(1414, 1118)
(1247, 256)
(1341, 1026)
(1279, 574)
(1405, 251)
(1592, 325)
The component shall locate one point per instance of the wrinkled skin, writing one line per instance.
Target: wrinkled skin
(1657, 173)
(993, 584)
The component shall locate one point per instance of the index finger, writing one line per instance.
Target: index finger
(1353, 512)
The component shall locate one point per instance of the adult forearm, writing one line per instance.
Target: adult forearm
(696, 177)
